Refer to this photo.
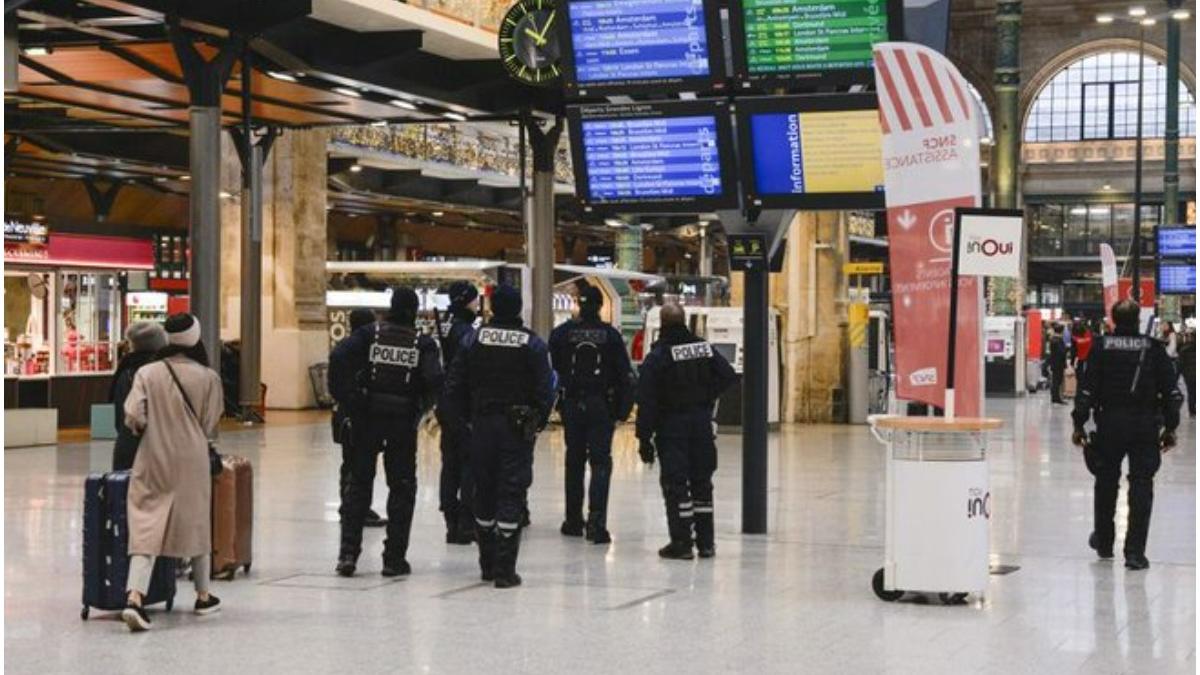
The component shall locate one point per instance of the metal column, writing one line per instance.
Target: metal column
(250, 363)
(755, 381)
(205, 81)
(1008, 91)
(541, 225)
(1171, 145)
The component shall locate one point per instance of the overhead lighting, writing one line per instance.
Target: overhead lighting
(614, 222)
(185, 177)
(37, 51)
(275, 74)
(400, 103)
(355, 168)
(379, 123)
(1137, 12)
(1079, 211)
(986, 140)
(347, 91)
(1105, 18)
(438, 214)
(457, 117)
(1106, 187)
(160, 179)
(1181, 15)
(1148, 22)
(225, 194)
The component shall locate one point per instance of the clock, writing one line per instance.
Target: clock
(529, 45)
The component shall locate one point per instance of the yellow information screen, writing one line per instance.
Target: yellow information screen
(798, 153)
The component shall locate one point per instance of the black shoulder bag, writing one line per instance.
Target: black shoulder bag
(214, 458)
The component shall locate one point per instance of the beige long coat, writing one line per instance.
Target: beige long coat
(170, 491)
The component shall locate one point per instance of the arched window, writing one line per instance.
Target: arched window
(986, 131)
(1095, 98)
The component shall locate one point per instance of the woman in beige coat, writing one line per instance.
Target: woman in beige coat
(174, 405)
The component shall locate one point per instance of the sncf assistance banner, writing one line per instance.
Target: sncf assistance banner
(931, 166)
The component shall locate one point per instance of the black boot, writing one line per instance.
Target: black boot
(1104, 552)
(451, 526)
(703, 523)
(486, 538)
(572, 527)
(507, 546)
(393, 567)
(346, 565)
(374, 519)
(677, 550)
(395, 545)
(466, 526)
(597, 533)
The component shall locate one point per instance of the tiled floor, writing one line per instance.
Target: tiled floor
(797, 600)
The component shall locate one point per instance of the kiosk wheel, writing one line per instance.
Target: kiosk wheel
(880, 591)
(953, 598)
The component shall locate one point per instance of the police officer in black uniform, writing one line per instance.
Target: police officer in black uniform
(679, 383)
(341, 387)
(1130, 386)
(502, 386)
(597, 384)
(399, 375)
(456, 489)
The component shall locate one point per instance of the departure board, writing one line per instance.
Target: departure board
(1176, 242)
(810, 39)
(627, 46)
(666, 156)
(1175, 278)
(812, 151)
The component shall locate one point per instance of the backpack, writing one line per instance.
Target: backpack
(587, 367)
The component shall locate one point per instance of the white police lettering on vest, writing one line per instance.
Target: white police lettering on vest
(500, 337)
(1124, 343)
(692, 351)
(406, 357)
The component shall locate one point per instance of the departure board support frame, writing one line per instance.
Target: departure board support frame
(714, 81)
(743, 81)
(746, 107)
(726, 149)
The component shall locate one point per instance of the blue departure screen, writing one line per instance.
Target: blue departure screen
(1176, 278)
(638, 40)
(654, 159)
(1177, 242)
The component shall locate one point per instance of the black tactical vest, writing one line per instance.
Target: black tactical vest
(1126, 376)
(392, 360)
(688, 376)
(498, 368)
(586, 370)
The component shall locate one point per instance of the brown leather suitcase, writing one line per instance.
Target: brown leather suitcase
(233, 517)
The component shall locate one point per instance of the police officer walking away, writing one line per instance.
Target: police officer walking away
(679, 383)
(502, 386)
(1131, 387)
(399, 374)
(597, 382)
(456, 489)
(341, 386)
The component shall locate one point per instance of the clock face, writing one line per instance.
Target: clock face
(529, 42)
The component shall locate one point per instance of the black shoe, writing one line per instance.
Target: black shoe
(398, 568)
(136, 618)
(1103, 553)
(525, 521)
(600, 536)
(1136, 562)
(571, 528)
(706, 551)
(209, 606)
(510, 580)
(346, 565)
(676, 550)
(374, 519)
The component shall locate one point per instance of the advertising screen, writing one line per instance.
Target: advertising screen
(653, 157)
(781, 42)
(636, 46)
(1176, 242)
(816, 152)
(1176, 278)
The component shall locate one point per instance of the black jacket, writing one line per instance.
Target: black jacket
(654, 391)
(1128, 373)
(350, 358)
(1058, 353)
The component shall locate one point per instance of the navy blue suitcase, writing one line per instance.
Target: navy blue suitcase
(106, 546)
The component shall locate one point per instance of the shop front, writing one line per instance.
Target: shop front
(64, 315)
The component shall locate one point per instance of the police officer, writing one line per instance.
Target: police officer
(502, 385)
(399, 374)
(597, 383)
(1130, 385)
(679, 383)
(341, 386)
(456, 489)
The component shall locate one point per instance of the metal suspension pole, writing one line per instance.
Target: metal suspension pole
(755, 381)
(250, 363)
(1171, 142)
(1137, 174)
(540, 243)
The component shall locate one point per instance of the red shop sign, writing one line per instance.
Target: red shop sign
(80, 250)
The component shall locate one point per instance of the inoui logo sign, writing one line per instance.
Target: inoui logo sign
(989, 245)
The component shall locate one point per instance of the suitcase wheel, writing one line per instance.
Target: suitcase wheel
(880, 592)
(83, 613)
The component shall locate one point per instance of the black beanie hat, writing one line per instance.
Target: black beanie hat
(405, 303)
(590, 300)
(361, 317)
(462, 293)
(506, 302)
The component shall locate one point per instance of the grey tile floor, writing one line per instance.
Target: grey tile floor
(796, 600)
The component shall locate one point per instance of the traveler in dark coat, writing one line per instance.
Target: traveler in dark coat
(1058, 364)
(456, 490)
(343, 424)
(145, 339)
